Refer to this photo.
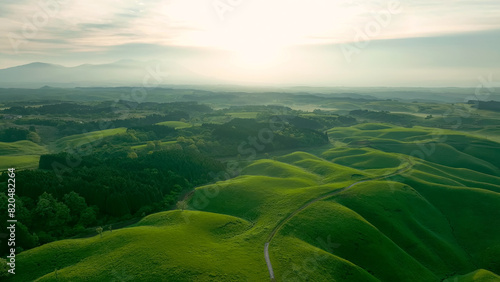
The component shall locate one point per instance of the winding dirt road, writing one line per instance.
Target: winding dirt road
(283, 222)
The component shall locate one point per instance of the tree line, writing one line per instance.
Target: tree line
(105, 188)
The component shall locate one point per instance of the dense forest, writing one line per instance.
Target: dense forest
(105, 188)
(144, 169)
(486, 105)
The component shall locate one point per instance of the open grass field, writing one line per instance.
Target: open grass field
(480, 275)
(251, 115)
(19, 162)
(489, 132)
(20, 148)
(445, 147)
(80, 140)
(158, 241)
(20, 155)
(175, 124)
(429, 223)
(144, 146)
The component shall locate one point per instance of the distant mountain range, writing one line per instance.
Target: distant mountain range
(131, 73)
(120, 73)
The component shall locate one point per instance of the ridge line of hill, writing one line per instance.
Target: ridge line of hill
(409, 166)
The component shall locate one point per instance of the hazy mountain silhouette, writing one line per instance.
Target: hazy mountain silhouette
(123, 73)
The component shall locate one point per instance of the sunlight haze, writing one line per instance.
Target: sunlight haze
(315, 42)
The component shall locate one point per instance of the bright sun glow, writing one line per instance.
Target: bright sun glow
(252, 32)
(257, 56)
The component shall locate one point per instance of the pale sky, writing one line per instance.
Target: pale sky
(317, 42)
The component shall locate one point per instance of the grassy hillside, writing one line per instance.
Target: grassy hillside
(243, 114)
(144, 146)
(168, 247)
(480, 275)
(20, 148)
(445, 147)
(175, 124)
(20, 155)
(74, 141)
(428, 223)
(363, 158)
(489, 132)
(19, 162)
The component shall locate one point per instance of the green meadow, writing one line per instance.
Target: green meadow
(85, 139)
(243, 114)
(144, 146)
(175, 124)
(20, 155)
(19, 162)
(429, 223)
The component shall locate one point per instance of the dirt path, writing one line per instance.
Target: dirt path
(283, 222)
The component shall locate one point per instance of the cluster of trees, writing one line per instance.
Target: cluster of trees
(329, 121)
(45, 218)
(319, 122)
(151, 132)
(57, 109)
(486, 105)
(385, 116)
(104, 108)
(68, 127)
(117, 114)
(13, 134)
(272, 109)
(226, 138)
(101, 190)
(192, 108)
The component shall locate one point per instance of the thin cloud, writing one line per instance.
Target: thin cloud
(190, 22)
(426, 35)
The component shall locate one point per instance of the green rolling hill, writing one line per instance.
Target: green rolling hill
(83, 140)
(20, 155)
(439, 219)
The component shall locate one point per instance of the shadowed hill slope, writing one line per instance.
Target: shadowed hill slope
(427, 224)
